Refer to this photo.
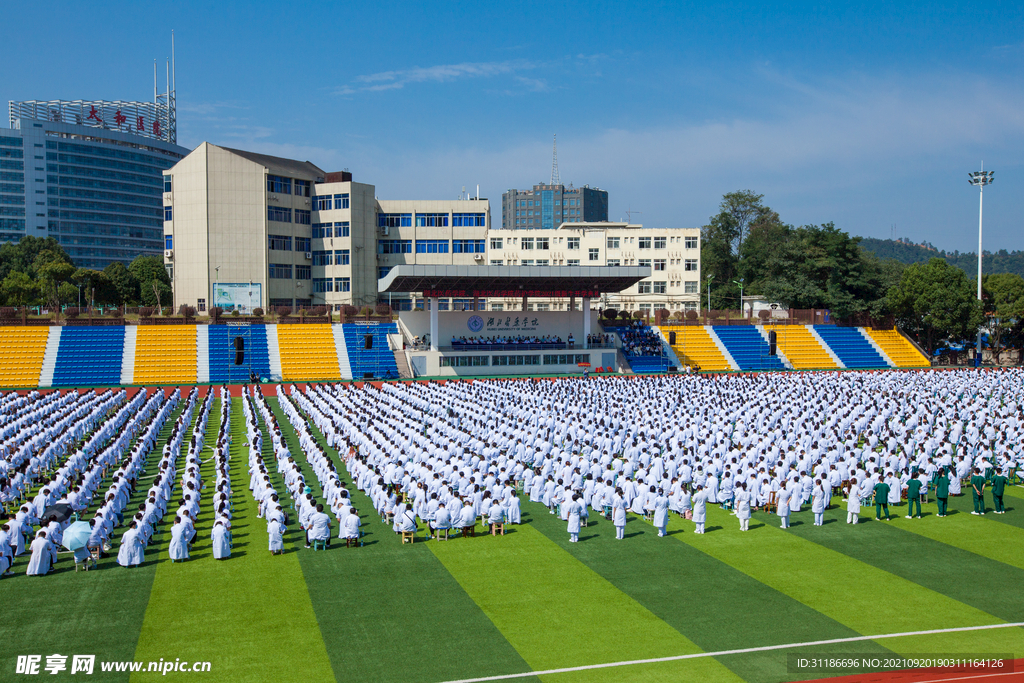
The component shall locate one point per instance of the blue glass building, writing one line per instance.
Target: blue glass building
(89, 174)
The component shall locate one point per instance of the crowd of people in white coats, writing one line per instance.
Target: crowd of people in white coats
(443, 456)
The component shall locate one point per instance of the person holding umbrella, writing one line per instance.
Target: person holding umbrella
(76, 539)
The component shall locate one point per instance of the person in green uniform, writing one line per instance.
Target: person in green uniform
(998, 487)
(942, 491)
(978, 491)
(913, 497)
(881, 500)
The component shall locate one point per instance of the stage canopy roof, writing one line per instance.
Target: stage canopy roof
(511, 281)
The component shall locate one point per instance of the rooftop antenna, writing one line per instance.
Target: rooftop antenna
(555, 180)
(629, 215)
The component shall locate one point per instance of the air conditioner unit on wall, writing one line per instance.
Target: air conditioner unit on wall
(384, 231)
(309, 255)
(478, 257)
(168, 253)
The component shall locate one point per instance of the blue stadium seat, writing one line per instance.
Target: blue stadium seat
(222, 353)
(747, 347)
(378, 362)
(89, 356)
(850, 345)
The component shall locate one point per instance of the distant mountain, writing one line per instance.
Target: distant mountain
(905, 251)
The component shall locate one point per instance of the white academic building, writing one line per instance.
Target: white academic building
(245, 230)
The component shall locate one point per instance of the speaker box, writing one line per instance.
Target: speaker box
(368, 341)
(772, 343)
(239, 357)
(239, 344)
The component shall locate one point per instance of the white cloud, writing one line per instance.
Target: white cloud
(442, 73)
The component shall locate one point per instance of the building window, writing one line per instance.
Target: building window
(497, 262)
(382, 272)
(341, 229)
(321, 230)
(690, 287)
(431, 220)
(526, 243)
(279, 242)
(613, 262)
(497, 307)
(594, 255)
(280, 271)
(342, 284)
(469, 219)
(279, 213)
(659, 264)
(658, 288)
(279, 185)
(572, 243)
(463, 361)
(645, 243)
(341, 201)
(572, 262)
(322, 284)
(167, 183)
(431, 246)
(302, 244)
(543, 243)
(303, 273)
(690, 264)
(566, 358)
(168, 241)
(515, 360)
(302, 188)
(497, 242)
(645, 262)
(167, 213)
(321, 258)
(660, 243)
(643, 287)
(691, 243)
(527, 262)
(394, 220)
(341, 257)
(201, 305)
(394, 247)
(542, 262)
(468, 246)
(322, 203)
(303, 217)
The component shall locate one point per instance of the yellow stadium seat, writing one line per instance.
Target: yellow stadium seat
(900, 351)
(803, 350)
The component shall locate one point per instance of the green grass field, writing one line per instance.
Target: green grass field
(531, 601)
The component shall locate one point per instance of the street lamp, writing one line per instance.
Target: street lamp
(216, 281)
(980, 179)
(740, 283)
(710, 278)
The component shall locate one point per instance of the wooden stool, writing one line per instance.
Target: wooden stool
(319, 544)
(773, 502)
(408, 537)
(469, 530)
(442, 534)
(497, 526)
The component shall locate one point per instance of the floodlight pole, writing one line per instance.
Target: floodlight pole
(981, 179)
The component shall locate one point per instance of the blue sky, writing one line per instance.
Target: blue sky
(865, 115)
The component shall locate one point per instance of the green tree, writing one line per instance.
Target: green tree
(126, 287)
(149, 269)
(935, 302)
(1004, 306)
(52, 273)
(95, 286)
(18, 289)
(721, 244)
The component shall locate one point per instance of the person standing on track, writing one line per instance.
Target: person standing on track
(998, 488)
(941, 491)
(914, 496)
(881, 500)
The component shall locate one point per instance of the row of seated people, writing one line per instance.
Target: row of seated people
(548, 341)
(75, 483)
(640, 340)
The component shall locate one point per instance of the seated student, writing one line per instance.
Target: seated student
(131, 552)
(43, 555)
(221, 538)
(467, 518)
(6, 554)
(180, 535)
(442, 519)
(349, 528)
(495, 516)
(405, 520)
(318, 526)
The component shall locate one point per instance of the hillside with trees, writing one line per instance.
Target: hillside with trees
(906, 252)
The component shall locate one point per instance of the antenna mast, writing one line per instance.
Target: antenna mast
(555, 180)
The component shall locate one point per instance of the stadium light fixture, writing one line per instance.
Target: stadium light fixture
(980, 179)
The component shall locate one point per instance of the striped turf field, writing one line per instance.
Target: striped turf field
(531, 601)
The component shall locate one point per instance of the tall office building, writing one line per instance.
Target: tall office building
(548, 206)
(90, 174)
